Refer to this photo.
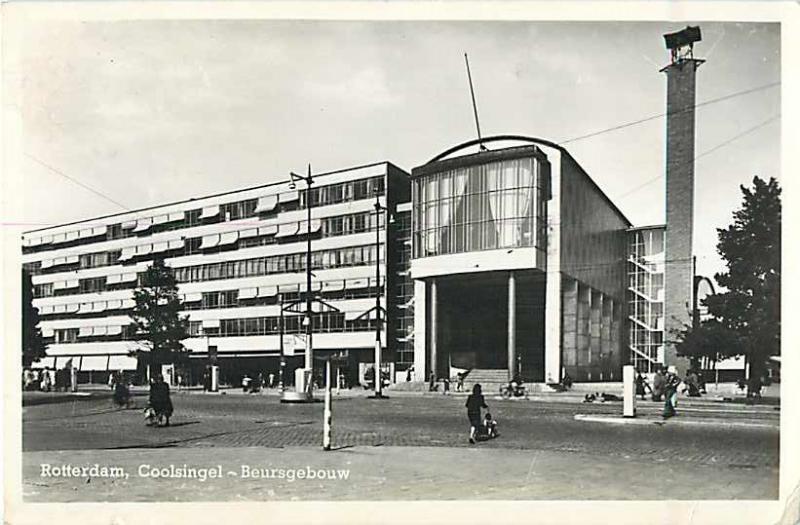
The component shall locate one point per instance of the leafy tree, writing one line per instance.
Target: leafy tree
(33, 345)
(710, 339)
(156, 318)
(751, 248)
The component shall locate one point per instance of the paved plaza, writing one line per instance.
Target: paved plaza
(405, 447)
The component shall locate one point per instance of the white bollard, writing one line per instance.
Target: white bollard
(73, 379)
(326, 431)
(214, 378)
(629, 391)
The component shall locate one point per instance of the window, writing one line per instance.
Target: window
(115, 231)
(232, 211)
(195, 328)
(66, 335)
(191, 218)
(94, 284)
(223, 299)
(43, 290)
(191, 246)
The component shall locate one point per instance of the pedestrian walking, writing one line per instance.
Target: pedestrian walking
(446, 385)
(432, 383)
(271, 378)
(641, 384)
(671, 383)
(160, 400)
(459, 382)
(475, 402)
(658, 385)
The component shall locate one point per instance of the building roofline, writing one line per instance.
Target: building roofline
(648, 227)
(222, 194)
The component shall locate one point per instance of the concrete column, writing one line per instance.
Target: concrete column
(614, 353)
(512, 325)
(553, 287)
(570, 326)
(605, 334)
(584, 356)
(420, 331)
(434, 328)
(594, 333)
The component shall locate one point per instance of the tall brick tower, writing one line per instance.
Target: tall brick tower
(678, 278)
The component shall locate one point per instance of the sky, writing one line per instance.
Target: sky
(148, 112)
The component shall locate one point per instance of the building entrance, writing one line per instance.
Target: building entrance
(472, 327)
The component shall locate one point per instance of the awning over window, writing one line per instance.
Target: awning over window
(160, 247)
(266, 203)
(267, 291)
(210, 323)
(45, 309)
(45, 362)
(114, 330)
(356, 284)
(269, 229)
(47, 263)
(99, 306)
(47, 331)
(316, 224)
(100, 230)
(85, 308)
(209, 211)
(228, 238)
(121, 362)
(114, 305)
(287, 230)
(72, 259)
(99, 330)
(128, 277)
(245, 234)
(175, 216)
(143, 224)
(288, 288)
(315, 286)
(72, 308)
(128, 303)
(127, 225)
(84, 331)
(175, 244)
(144, 249)
(352, 316)
(289, 196)
(248, 293)
(71, 283)
(114, 279)
(193, 297)
(96, 363)
(160, 219)
(209, 241)
(66, 361)
(127, 253)
(59, 285)
(333, 286)
(71, 236)
(86, 232)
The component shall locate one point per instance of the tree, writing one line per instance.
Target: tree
(751, 249)
(156, 317)
(710, 339)
(33, 345)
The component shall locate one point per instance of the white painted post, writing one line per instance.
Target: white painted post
(214, 378)
(326, 431)
(73, 378)
(629, 391)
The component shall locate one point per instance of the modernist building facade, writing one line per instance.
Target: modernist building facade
(236, 256)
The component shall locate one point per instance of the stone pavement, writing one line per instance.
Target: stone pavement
(385, 473)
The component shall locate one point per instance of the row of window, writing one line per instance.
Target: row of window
(328, 322)
(320, 260)
(319, 196)
(329, 227)
(490, 235)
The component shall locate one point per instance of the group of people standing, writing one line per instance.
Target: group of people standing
(46, 379)
(666, 385)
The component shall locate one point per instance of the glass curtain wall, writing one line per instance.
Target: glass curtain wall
(646, 298)
(482, 207)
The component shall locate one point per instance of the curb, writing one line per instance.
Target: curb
(619, 420)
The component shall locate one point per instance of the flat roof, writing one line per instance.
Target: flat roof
(231, 192)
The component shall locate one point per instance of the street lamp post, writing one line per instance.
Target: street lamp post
(309, 353)
(281, 380)
(378, 350)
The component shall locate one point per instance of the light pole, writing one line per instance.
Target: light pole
(309, 357)
(281, 380)
(378, 209)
